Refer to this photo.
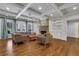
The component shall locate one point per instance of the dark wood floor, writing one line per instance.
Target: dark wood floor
(32, 48)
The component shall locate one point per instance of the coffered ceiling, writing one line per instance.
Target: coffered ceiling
(36, 11)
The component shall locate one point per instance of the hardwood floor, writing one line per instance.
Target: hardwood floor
(32, 48)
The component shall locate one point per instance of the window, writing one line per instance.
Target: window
(29, 27)
(20, 26)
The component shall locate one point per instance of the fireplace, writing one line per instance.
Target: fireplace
(43, 29)
(43, 32)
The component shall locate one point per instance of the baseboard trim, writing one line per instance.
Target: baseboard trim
(9, 38)
(73, 37)
(59, 39)
(6, 39)
(2, 39)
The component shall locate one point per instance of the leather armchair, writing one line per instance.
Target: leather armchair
(45, 39)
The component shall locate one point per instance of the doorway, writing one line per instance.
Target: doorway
(72, 31)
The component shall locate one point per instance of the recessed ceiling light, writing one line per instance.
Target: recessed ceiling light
(74, 8)
(40, 8)
(51, 14)
(8, 8)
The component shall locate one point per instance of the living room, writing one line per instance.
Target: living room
(39, 29)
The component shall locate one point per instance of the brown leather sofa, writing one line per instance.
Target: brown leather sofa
(33, 36)
(19, 37)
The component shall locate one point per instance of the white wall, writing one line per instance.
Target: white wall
(72, 29)
(36, 28)
(59, 33)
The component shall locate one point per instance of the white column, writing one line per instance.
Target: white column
(0, 29)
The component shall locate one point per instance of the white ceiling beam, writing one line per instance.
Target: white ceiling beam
(56, 8)
(60, 8)
(25, 8)
(45, 14)
(49, 12)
